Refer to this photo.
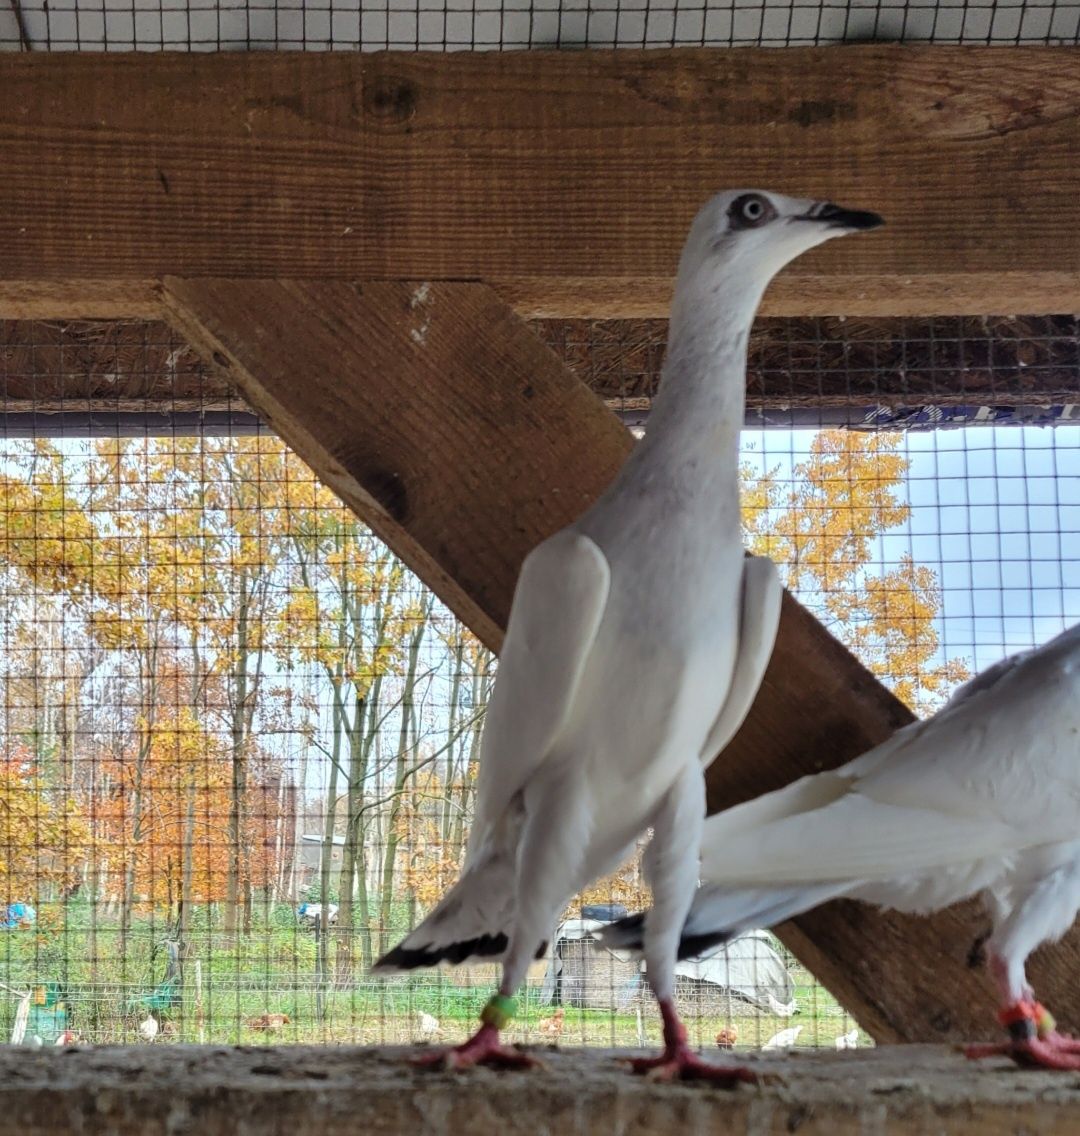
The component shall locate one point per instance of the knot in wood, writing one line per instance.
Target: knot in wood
(389, 490)
(391, 100)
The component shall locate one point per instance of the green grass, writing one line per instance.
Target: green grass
(274, 971)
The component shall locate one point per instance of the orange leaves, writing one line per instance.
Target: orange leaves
(183, 778)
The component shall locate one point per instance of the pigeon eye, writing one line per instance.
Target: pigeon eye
(751, 210)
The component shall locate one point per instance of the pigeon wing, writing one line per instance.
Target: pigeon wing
(762, 593)
(558, 606)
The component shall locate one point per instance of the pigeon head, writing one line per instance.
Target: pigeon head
(753, 234)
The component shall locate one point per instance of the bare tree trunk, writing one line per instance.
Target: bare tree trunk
(238, 790)
(483, 679)
(148, 681)
(187, 868)
(326, 863)
(402, 769)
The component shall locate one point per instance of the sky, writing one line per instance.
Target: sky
(995, 511)
(316, 25)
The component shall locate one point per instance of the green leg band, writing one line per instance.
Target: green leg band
(499, 1011)
(1045, 1021)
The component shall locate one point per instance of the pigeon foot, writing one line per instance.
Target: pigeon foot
(1051, 1052)
(1034, 1042)
(483, 1048)
(680, 1063)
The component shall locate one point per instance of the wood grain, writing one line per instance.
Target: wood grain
(566, 180)
(430, 409)
(342, 1089)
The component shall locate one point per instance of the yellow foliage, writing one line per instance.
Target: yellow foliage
(821, 530)
(43, 836)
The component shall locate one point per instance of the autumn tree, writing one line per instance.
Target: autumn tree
(358, 615)
(437, 800)
(43, 834)
(820, 528)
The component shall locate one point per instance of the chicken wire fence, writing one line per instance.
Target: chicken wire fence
(238, 739)
(487, 25)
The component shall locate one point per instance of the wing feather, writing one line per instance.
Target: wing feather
(558, 605)
(762, 593)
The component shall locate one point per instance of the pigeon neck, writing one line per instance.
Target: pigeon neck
(702, 397)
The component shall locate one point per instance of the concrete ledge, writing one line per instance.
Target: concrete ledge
(176, 1090)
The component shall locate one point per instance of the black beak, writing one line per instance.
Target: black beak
(837, 218)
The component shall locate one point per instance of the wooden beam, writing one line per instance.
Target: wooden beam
(150, 1090)
(109, 367)
(388, 390)
(463, 441)
(566, 180)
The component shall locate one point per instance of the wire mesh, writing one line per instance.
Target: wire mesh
(238, 739)
(237, 751)
(489, 25)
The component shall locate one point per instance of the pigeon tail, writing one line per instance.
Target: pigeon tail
(471, 920)
(718, 914)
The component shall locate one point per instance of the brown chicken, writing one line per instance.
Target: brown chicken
(268, 1023)
(727, 1037)
(552, 1027)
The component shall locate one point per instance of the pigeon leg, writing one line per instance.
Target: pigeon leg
(1033, 1038)
(680, 1062)
(484, 1047)
(544, 866)
(671, 866)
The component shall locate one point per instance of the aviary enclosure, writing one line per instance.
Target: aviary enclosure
(243, 683)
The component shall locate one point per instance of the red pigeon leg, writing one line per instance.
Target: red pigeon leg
(484, 1047)
(1033, 1040)
(679, 1062)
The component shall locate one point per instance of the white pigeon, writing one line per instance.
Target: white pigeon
(785, 1039)
(983, 798)
(848, 1040)
(636, 643)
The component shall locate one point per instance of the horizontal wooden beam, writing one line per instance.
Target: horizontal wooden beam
(463, 441)
(149, 1090)
(565, 180)
(143, 367)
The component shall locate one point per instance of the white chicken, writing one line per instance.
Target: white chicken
(785, 1039)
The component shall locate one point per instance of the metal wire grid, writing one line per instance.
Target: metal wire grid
(107, 547)
(484, 25)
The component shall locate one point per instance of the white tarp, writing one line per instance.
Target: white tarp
(748, 966)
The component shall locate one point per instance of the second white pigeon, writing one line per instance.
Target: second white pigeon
(982, 799)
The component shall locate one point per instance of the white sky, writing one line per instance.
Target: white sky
(124, 25)
(995, 512)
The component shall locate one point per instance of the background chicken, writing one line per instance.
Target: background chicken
(268, 1023)
(727, 1037)
(785, 1039)
(848, 1040)
(552, 1027)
